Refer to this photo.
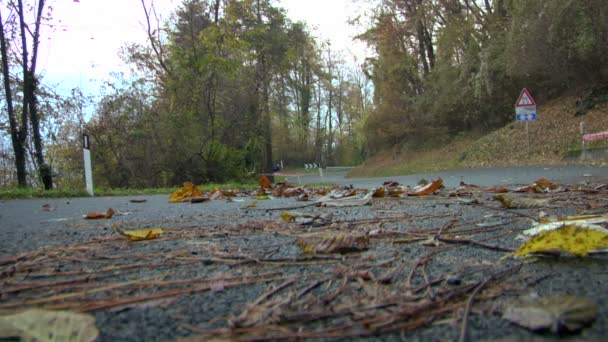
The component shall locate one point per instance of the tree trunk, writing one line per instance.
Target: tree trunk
(18, 134)
(30, 102)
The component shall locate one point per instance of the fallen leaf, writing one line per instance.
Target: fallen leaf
(303, 219)
(96, 216)
(229, 193)
(46, 325)
(498, 190)
(551, 223)
(427, 189)
(544, 185)
(263, 197)
(265, 183)
(188, 191)
(557, 313)
(346, 201)
(573, 239)
(252, 204)
(517, 202)
(48, 207)
(216, 195)
(332, 243)
(379, 193)
(139, 234)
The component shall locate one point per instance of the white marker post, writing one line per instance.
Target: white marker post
(88, 170)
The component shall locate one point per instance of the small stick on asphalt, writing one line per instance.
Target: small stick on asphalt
(312, 287)
(476, 243)
(429, 288)
(446, 226)
(465, 318)
(283, 208)
(267, 294)
(507, 211)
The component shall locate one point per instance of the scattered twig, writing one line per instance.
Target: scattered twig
(476, 243)
(429, 289)
(465, 317)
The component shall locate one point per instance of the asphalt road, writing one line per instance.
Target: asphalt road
(481, 176)
(217, 258)
(25, 225)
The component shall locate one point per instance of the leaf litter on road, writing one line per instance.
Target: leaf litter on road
(347, 276)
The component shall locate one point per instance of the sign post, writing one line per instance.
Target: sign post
(525, 110)
(88, 170)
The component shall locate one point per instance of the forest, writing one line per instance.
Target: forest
(225, 89)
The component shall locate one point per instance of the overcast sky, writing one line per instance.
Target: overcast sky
(87, 35)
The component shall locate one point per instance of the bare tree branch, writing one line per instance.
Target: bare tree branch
(155, 41)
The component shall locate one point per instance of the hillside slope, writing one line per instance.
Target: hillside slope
(553, 137)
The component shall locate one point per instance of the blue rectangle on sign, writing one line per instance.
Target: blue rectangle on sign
(526, 117)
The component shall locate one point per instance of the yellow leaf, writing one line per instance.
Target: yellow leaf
(46, 325)
(139, 234)
(379, 193)
(287, 216)
(573, 239)
(332, 243)
(188, 191)
(252, 204)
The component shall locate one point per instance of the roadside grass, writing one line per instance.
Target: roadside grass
(554, 140)
(24, 193)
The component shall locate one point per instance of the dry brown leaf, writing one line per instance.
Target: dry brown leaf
(379, 193)
(96, 216)
(216, 195)
(48, 207)
(201, 199)
(265, 183)
(557, 314)
(428, 188)
(345, 201)
(545, 184)
(497, 190)
(516, 202)
(332, 243)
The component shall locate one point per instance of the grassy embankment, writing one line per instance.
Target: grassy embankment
(553, 137)
(37, 193)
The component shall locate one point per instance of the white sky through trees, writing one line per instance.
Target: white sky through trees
(82, 46)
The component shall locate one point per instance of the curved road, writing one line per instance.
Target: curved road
(479, 176)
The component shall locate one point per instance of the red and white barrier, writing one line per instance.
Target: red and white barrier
(595, 136)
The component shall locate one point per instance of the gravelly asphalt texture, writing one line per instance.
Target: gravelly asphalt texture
(223, 257)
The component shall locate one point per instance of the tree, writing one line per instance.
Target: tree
(28, 87)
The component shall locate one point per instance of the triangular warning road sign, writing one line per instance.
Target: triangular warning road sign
(525, 99)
